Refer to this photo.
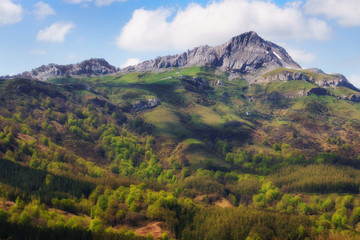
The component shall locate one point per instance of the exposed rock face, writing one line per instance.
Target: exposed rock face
(146, 104)
(317, 91)
(216, 83)
(283, 76)
(310, 75)
(355, 98)
(195, 84)
(336, 80)
(91, 67)
(244, 54)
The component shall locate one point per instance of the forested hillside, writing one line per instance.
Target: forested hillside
(189, 150)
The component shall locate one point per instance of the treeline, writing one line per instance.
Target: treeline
(36, 182)
(246, 223)
(16, 231)
(318, 178)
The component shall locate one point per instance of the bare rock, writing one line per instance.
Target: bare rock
(146, 104)
(216, 83)
(91, 67)
(245, 53)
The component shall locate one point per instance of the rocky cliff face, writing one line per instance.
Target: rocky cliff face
(91, 67)
(318, 77)
(245, 53)
(146, 104)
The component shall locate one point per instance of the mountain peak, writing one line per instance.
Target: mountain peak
(245, 53)
(249, 37)
(90, 67)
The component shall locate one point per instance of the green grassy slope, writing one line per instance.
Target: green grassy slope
(77, 158)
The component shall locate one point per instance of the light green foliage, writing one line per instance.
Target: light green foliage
(268, 194)
(305, 208)
(288, 203)
(76, 222)
(97, 225)
(339, 221)
(327, 205)
(355, 216)
(25, 218)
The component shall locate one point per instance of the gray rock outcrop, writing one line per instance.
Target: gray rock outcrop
(283, 76)
(245, 53)
(335, 80)
(310, 75)
(91, 67)
(146, 104)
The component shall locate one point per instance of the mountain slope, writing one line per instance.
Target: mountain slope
(105, 155)
(246, 56)
(245, 53)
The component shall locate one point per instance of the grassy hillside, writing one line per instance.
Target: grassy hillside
(77, 159)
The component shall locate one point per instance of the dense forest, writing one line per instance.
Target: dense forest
(81, 158)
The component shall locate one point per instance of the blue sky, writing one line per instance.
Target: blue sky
(317, 33)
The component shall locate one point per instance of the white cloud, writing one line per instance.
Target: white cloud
(355, 79)
(130, 62)
(98, 3)
(42, 10)
(300, 56)
(101, 3)
(345, 12)
(37, 52)
(72, 57)
(217, 22)
(56, 32)
(77, 1)
(10, 12)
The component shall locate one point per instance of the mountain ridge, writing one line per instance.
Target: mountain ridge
(244, 53)
(90, 67)
(246, 56)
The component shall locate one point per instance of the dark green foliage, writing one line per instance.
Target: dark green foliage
(20, 232)
(318, 179)
(242, 223)
(31, 180)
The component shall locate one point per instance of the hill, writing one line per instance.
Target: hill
(89, 154)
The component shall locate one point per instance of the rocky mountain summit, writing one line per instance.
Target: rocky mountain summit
(244, 54)
(91, 67)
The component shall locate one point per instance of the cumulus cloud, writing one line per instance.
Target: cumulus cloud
(42, 10)
(300, 56)
(99, 3)
(56, 32)
(37, 52)
(10, 12)
(345, 12)
(355, 79)
(217, 22)
(130, 62)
